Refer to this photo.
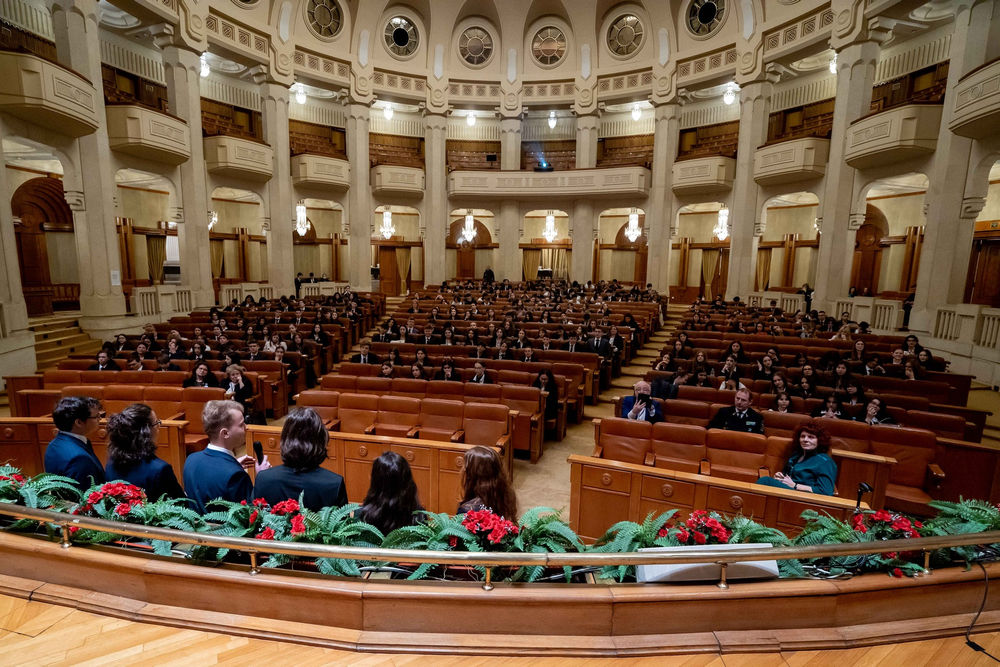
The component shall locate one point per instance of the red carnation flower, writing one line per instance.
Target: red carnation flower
(452, 541)
(896, 572)
(123, 509)
(663, 532)
(266, 534)
(683, 535)
(253, 517)
(298, 524)
(95, 497)
(258, 502)
(699, 538)
(285, 507)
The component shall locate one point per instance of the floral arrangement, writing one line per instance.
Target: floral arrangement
(539, 530)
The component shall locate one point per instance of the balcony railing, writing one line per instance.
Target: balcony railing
(977, 102)
(42, 92)
(147, 133)
(890, 136)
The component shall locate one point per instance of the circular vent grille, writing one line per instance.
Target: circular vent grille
(401, 37)
(625, 35)
(475, 46)
(324, 17)
(706, 16)
(549, 45)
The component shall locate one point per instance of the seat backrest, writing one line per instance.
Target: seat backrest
(117, 397)
(779, 448)
(343, 383)
(442, 414)
(736, 450)
(410, 387)
(625, 440)
(782, 423)
(680, 411)
(173, 378)
(356, 369)
(322, 401)
(522, 398)
(484, 423)
(98, 377)
(357, 412)
(913, 449)
(57, 379)
(447, 389)
(678, 446)
(165, 401)
(373, 385)
(950, 426)
(704, 394)
(515, 377)
(846, 434)
(193, 402)
(93, 391)
(135, 377)
(489, 393)
(398, 410)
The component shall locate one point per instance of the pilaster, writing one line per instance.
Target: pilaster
(90, 189)
(583, 230)
(509, 221)
(281, 207)
(510, 144)
(586, 141)
(661, 196)
(181, 68)
(435, 196)
(359, 197)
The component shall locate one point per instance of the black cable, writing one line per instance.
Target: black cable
(986, 591)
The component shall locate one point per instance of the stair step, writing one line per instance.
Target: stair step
(56, 333)
(52, 357)
(62, 342)
(54, 325)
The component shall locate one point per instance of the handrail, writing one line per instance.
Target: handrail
(491, 559)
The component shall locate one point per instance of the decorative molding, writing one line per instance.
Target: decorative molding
(24, 15)
(714, 63)
(801, 91)
(971, 207)
(485, 129)
(632, 83)
(622, 125)
(238, 37)
(399, 84)
(912, 55)
(231, 91)
(854, 221)
(549, 90)
(321, 112)
(709, 112)
(328, 69)
(792, 35)
(131, 57)
(75, 200)
(474, 90)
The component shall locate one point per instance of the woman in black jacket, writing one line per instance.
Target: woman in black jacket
(132, 453)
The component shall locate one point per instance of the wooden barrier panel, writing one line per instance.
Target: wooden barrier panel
(604, 492)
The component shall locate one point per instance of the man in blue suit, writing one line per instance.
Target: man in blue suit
(215, 472)
(70, 453)
(640, 405)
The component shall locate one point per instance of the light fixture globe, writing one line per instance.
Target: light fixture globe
(552, 120)
(469, 228)
(301, 219)
(833, 64)
(300, 94)
(549, 233)
(387, 229)
(470, 119)
(213, 219)
(729, 96)
(633, 231)
(387, 111)
(721, 230)
(636, 112)
(205, 69)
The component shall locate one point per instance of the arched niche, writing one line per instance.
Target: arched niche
(238, 239)
(789, 242)
(398, 253)
(700, 256)
(322, 250)
(891, 235)
(618, 256)
(983, 285)
(541, 256)
(46, 246)
(466, 259)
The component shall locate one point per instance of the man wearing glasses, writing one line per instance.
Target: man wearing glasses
(70, 453)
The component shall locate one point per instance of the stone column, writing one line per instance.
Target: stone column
(755, 105)
(281, 207)
(586, 141)
(950, 213)
(359, 198)
(182, 70)
(17, 344)
(510, 144)
(509, 224)
(435, 208)
(659, 205)
(90, 188)
(583, 230)
(855, 76)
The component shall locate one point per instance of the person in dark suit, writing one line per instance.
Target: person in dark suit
(480, 376)
(640, 406)
(741, 417)
(304, 439)
(573, 345)
(238, 388)
(104, 363)
(447, 371)
(365, 356)
(70, 453)
(216, 472)
(132, 453)
(428, 337)
(599, 344)
(201, 376)
(488, 276)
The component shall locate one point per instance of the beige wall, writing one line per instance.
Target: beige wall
(325, 221)
(235, 215)
(534, 225)
(900, 213)
(992, 209)
(782, 220)
(144, 207)
(407, 224)
(61, 248)
(697, 226)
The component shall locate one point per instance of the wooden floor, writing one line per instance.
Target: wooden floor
(36, 633)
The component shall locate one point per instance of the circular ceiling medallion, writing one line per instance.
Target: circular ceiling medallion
(324, 18)
(625, 35)
(475, 46)
(704, 17)
(401, 38)
(549, 46)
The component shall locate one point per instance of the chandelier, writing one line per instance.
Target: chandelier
(213, 219)
(301, 221)
(833, 64)
(552, 120)
(387, 111)
(469, 230)
(204, 70)
(721, 230)
(636, 112)
(633, 231)
(549, 233)
(729, 96)
(387, 228)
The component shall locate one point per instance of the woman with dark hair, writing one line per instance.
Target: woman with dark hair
(809, 468)
(735, 350)
(547, 382)
(392, 500)
(779, 384)
(238, 387)
(765, 369)
(392, 356)
(665, 363)
(928, 361)
(782, 403)
(841, 376)
(854, 393)
(680, 351)
(385, 371)
(303, 450)
(447, 371)
(830, 409)
(485, 485)
(875, 413)
(201, 376)
(132, 453)
(417, 371)
(858, 351)
(806, 389)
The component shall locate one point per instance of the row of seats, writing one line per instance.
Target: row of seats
(747, 456)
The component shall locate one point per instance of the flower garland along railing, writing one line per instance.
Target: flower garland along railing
(486, 545)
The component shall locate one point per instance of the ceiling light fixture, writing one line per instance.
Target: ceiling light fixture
(833, 64)
(205, 69)
(730, 95)
(213, 219)
(387, 228)
(636, 112)
(549, 233)
(721, 230)
(387, 111)
(633, 231)
(469, 230)
(470, 119)
(301, 219)
(552, 120)
(300, 94)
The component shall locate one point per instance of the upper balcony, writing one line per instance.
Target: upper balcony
(790, 161)
(977, 102)
(146, 133)
(243, 158)
(613, 182)
(893, 135)
(394, 179)
(42, 92)
(704, 175)
(311, 169)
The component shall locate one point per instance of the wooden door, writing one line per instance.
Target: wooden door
(641, 257)
(984, 273)
(466, 264)
(389, 280)
(867, 260)
(33, 259)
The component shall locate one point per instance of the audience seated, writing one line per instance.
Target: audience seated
(485, 485)
(810, 467)
(70, 453)
(132, 435)
(392, 500)
(741, 417)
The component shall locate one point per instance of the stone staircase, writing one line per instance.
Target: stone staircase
(58, 337)
(637, 369)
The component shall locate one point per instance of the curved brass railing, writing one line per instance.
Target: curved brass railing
(723, 557)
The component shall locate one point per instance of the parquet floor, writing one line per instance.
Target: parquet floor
(37, 633)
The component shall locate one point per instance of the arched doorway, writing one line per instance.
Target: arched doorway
(619, 256)
(983, 283)
(702, 251)
(39, 208)
(546, 247)
(789, 243)
(468, 249)
(397, 249)
(868, 252)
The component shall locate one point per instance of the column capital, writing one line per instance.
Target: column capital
(850, 25)
(359, 111)
(510, 125)
(972, 207)
(667, 110)
(435, 121)
(75, 200)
